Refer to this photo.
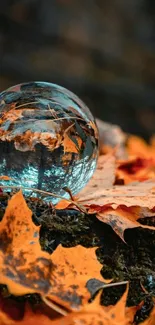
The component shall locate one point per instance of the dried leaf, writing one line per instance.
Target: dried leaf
(104, 175)
(121, 206)
(121, 219)
(139, 194)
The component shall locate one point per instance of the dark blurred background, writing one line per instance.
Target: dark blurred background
(104, 51)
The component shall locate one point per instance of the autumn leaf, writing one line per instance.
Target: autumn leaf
(25, 268)
(121, 206)
(135, 169)
(91, 314)
(139, 194)
(122, 218)
(72, 271)
(30, 318)
(118, 206)
(139, 148)
(94, 314)
(104, 175)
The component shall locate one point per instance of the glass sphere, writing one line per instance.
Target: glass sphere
(48, 139)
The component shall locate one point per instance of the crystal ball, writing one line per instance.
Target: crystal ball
(48, 140)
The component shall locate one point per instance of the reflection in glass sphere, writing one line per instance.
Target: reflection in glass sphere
(48, 139)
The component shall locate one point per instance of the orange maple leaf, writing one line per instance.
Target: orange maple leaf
(90, 314)
(135, 169)
(30, 318)
(25, 268)
(139, 148)
(94, 314)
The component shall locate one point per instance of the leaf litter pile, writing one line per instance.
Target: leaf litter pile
(91, 259)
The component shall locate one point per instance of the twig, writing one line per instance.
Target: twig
(80, 207)
(25, 104)
(114, 284)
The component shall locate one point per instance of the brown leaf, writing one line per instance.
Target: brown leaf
(139, 194)
(121, 206)
(121, 219)
(104, 175)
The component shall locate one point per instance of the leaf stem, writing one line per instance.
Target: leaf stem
(54, 306)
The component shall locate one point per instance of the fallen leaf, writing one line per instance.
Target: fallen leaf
(94, 314)
(62, 204)
(139, 194)
(104, 175)
(135, 169)
(25, 268)
(72, 271)
(139, 148)
(30, 318)
(121, 206)
(121, 219)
